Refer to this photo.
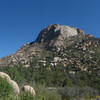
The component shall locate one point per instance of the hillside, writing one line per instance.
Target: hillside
(57, 44)
(63, 59)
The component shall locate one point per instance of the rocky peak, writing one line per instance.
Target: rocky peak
(58, 35)
(54, 30)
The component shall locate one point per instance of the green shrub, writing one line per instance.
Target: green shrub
(15, 74)
(26, 96)
(52, 95)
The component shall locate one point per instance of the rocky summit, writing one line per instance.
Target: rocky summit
(56, 35)
(59, 44)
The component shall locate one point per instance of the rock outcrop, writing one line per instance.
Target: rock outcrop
(56, 31)
(56, 35)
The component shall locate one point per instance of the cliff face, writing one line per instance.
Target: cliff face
(56, 35)
(57, 44)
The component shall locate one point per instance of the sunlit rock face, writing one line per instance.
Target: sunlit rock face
(56, 35)
(56, 31)
(66, 31)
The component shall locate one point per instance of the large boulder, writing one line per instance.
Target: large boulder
(13, 83)
(15, 87)
(4, 75)
(30, 89)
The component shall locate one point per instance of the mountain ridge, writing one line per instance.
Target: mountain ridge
(54, 42)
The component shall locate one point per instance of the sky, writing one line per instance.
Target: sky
(22, 20)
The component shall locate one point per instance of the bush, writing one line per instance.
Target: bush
(78, 93)
(26, 96)
(52, 95)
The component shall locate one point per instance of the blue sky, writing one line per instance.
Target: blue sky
(22, 20)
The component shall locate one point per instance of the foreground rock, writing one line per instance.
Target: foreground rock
(30, 89)
(4, 75)
(15, 87)
(13, 83)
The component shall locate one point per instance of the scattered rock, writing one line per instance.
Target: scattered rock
(56, 59)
